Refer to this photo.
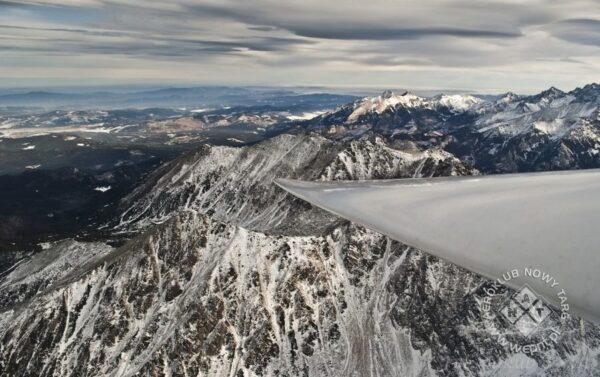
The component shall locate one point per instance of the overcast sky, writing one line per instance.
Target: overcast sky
(478, 45)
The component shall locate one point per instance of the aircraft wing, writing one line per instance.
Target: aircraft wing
(487, 224)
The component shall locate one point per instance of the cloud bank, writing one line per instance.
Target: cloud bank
(489, 46)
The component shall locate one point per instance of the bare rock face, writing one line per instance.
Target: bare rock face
(229, 276)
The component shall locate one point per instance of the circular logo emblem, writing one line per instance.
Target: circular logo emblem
(524, 320)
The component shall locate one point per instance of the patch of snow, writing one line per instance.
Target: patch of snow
(103, 188)
(45, 245)
(458, 102)
(555, 127)
(305, 115)
(233, 139)
(9, 123)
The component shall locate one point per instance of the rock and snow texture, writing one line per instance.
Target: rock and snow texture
(195, 296)
(240, 279)
(235, 184)
(551, 112)
(198, 297)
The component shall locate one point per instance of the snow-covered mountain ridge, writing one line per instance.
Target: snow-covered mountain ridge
(509, 108)
(550, 130)
(235, 184)
(388, 101)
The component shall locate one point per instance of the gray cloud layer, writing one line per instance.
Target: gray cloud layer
(582, 31)
(484, 46)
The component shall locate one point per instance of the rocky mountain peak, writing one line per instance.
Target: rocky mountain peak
(588, 93)
(553, 90)
(593, 86)
(387, 94)
(507, 97)
(549, 94)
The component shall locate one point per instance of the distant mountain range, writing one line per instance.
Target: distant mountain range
(549, 130)
(215, 97)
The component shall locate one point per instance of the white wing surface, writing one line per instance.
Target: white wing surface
(487, 224)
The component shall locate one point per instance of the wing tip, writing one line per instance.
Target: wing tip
(283, 183)
(293, 185)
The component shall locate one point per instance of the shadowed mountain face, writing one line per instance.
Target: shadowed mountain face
(231, 276)
(224, 274)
